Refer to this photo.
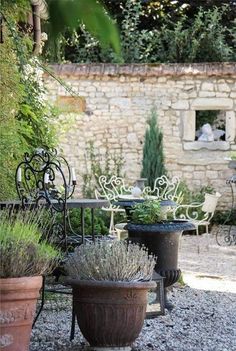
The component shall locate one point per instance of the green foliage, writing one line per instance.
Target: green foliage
(135, 43)
(22, 251)
(203, 117)
(201, 38)
(153, 157)
(111, 261)
(204, 40)
(224, 217)
(11, 95)
(147, 212)
(97, 165)
(101, 221)
(67, 14)
(186, 196)
(25, 115)
(233, 155)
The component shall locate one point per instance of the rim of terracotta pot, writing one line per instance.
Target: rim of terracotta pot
(168, 226)
(111, 284)
(21, 282)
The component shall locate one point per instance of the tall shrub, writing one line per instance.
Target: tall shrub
(153, 156)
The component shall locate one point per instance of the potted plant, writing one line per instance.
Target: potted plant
(110, 281)
(160, 234)
(24, 258)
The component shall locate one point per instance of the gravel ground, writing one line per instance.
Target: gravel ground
(204, 318)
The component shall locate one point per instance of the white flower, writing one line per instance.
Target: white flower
(44, 36)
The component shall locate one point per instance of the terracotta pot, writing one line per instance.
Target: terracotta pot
(110, 314)
(18, 303)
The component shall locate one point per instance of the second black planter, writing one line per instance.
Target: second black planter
(162, 240)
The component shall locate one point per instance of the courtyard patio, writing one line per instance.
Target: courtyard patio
(117, 175)
(203, 317)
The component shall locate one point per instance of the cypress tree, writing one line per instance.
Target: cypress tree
(153, 156)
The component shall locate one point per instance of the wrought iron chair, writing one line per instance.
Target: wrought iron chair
(164, 188)
(45, 179)
(200, 214)
(110, 189)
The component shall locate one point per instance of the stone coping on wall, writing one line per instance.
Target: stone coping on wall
(201, 161)
(222, 69)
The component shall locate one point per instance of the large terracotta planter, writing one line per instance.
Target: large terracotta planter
(162, 240)
(110, 314)
(18, 303)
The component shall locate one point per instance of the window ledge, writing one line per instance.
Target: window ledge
(209, 145)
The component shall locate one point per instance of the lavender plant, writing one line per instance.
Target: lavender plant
(111, 261)
(22, 250)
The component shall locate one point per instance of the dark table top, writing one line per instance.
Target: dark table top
(132, 202)
(71, 203)
(87, 203)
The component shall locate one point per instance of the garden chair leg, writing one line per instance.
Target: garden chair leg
(208, 237)
(72, 330)
(112, 226)
(198, 240)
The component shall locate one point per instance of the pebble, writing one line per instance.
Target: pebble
(200, 321)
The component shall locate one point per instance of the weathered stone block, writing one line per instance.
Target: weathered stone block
(212, 174)
(223, 87)
(199, 175)
(230, 125)
(213, 145)
(212, 104)
(189, 125)
(208, 86)
(206, 94)
(181, 105)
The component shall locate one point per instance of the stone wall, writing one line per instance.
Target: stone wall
(114, 103)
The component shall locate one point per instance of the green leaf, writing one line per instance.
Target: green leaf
(68, 14)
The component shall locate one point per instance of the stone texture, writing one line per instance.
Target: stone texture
(117, 100)
(212, 104)
(189, 125)
(214, 145)
(230, 125)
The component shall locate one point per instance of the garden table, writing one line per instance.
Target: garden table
(83, 204)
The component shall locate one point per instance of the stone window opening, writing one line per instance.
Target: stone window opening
(212, 119)
(203, 109)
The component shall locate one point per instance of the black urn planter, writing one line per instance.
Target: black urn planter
(162, 240)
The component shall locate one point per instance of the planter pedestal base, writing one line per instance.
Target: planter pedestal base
(161, 240)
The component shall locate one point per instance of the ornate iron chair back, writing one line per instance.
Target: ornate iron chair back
(111, 188)
(36, 180)
(164, 188)
(198, 212)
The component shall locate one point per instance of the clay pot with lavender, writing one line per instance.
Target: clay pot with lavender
(24, 258)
